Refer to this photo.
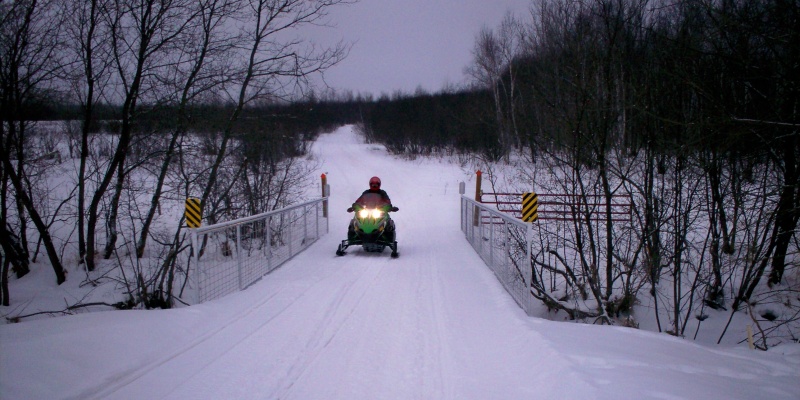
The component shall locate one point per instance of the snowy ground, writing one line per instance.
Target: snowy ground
(432, 324)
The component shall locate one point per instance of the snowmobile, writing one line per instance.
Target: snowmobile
(371, 227)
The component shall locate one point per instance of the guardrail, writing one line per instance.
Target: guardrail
(233, 255)
(565, 207)
(552, 260)
(504, 244)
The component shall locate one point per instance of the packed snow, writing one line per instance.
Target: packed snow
(431, 324)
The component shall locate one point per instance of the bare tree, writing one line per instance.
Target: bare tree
(89, 41)
(263, 65)
(487, 69)
(142, 32)
(493, 66)
(29, 61)
(272, 66)
(511, 36)
(201, 69)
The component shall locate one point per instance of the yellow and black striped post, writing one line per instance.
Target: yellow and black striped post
(193, 212)
(530, 207)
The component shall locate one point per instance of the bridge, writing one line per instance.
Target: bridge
(233, 255)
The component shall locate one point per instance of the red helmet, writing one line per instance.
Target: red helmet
(375, 182)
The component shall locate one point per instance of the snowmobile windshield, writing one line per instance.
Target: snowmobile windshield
(372, 200)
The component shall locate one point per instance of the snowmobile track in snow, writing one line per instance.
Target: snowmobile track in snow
(128, 377)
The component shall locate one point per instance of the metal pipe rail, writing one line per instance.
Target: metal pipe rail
(230, 256)
(539, 262)
(567, 207)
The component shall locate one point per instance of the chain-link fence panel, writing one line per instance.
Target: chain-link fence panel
(235, 254)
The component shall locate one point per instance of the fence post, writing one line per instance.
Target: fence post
(288, 228)
(476, 214)
(529, 259)
(481, 233)
(469, 227)
(305, 224)
(463, 216)
(197, 279)
(269, 243)
(324, 194)
(507, 248)
(491, 242)
(239, 255)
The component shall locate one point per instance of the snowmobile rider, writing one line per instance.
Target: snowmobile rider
(374, 187)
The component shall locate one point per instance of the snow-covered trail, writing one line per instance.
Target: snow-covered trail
(364, 325)
(432, 324)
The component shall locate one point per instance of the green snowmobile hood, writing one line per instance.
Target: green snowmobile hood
(371, 223)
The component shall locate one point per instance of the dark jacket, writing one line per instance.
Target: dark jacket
(384, 196)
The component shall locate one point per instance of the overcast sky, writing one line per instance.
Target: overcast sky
(403, 44)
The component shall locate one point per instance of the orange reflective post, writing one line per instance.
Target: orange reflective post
(478, 186)
(476, 211)
(324, 203)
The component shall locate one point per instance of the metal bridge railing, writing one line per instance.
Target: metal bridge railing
(544, 261)
(503, 242)
(233, 255)
(564, 207)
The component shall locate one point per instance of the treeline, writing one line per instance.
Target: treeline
(690, 108)
(644, 70)
(433, 123)
(169, 101)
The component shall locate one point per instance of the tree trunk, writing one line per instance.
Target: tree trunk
(22, 195)
(82, 185)
(94, 206)
(716, 294)
(154, 202)
(609, 229)
(113, 213)
(5, 299)
(787, 214)
(23, 224)
(88, 116)
(20, 268)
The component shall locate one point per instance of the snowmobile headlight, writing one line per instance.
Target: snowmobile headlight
(364, 213)
(377, 214)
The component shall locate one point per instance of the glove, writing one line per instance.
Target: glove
(350, 209)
